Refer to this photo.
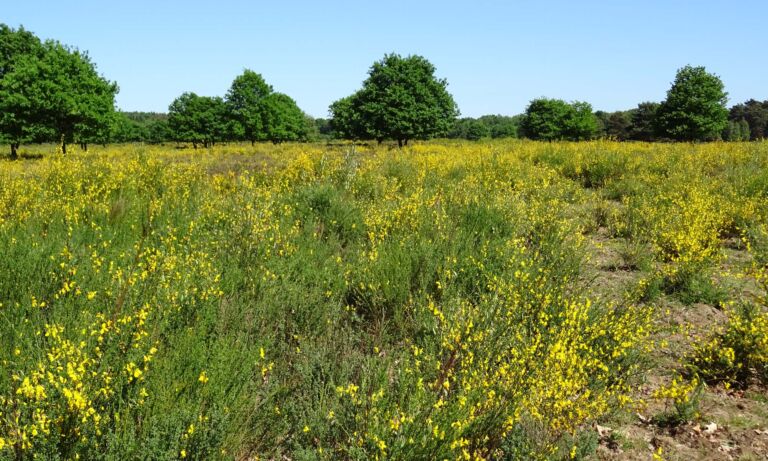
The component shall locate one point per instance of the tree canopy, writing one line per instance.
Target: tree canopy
(401, 99)
(469, 128)
(200, 120)
(19, 122)
(486, 126)
(553, 119)
(148, 127)
(736, 130)
(49, 91)
(755, 114)
(345, 119)
(282, 119)
(643, 126)
(246, 100)
(695, 106)
(252, 111)
(501, 126)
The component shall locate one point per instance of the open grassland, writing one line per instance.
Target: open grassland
(506, 300)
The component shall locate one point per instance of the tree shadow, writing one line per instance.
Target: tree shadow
(21, 156)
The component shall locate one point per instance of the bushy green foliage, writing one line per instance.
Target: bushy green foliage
(283, 120)
(252, 111)
(245, 100)
(18, 122)
(487, 126)
(618, 125)
(200, 120)
(736, 130)
(695, 106)
(554, 119)
(344, 121)
(146, 127)
(501, 126)
(401, 99)
(469, 128)
(51, 92)
(755, 113)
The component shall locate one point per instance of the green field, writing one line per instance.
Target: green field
(448, 300)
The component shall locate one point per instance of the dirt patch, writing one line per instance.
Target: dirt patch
(237, 163)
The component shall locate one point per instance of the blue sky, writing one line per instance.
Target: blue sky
(496, 55)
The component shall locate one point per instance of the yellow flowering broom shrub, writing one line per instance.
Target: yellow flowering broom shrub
(350, 302)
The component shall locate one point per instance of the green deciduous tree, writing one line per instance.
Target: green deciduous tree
(158, 131)
(345, 119)
(246, 101)
(263, 115)
(18, 122)
(401, 99)
(283, 120)
(181, 119)
(552, 119)
(59, 94)
(200, 120)
(545, 119)
(732, 131)
(124, 129)
(695, 106)
(581, 123)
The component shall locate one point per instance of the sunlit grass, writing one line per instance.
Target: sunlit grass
(347, 302)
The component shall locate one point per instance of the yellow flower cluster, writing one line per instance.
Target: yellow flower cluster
(85, 347)
(68, 394)
(738, 352)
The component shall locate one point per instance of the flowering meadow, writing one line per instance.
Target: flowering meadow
(309, 302)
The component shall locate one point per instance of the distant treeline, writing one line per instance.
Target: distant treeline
(149, 127)
(51, 92)
(487, 126)
(747, 121)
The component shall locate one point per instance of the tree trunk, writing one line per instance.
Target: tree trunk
(63, 148)
(406, 141)
(84, 146)
(253, 143)
(400, 143)
(14, 150)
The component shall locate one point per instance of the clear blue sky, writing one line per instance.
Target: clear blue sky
(496, 55)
